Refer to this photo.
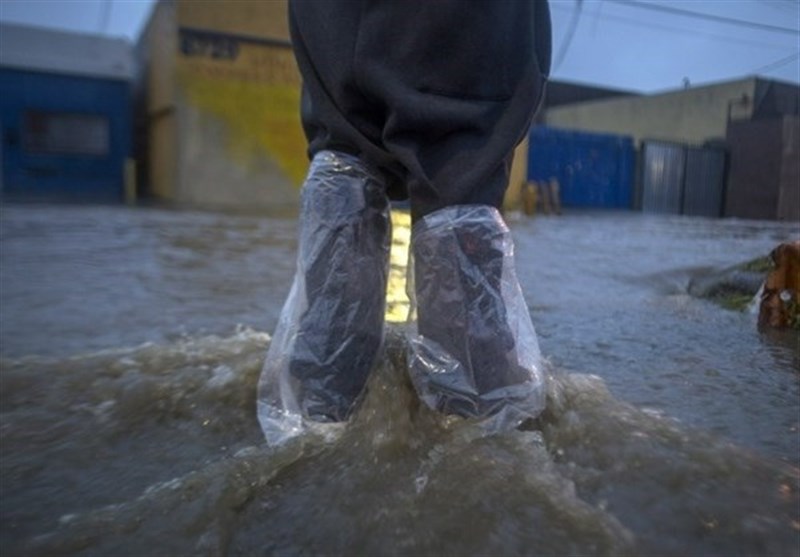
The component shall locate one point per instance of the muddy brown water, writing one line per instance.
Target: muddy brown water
(132, 340)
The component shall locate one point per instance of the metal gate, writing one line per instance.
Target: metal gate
(678, 179)
(593, 170)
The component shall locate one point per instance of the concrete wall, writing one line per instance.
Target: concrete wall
(264, 19)
(789, 189)
(764, 182)
(690, 116)
(222, 108)
(160, 41)
(238, 95)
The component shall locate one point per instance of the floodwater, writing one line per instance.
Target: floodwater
(132, 340)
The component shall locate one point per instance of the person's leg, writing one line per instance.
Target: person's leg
(434, 96)
(337, 114)
(461, 87)
(330, 329)
(475, 353)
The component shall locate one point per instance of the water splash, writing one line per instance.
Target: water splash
(157, 449)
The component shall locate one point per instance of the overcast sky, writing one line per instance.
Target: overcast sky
(639, 45)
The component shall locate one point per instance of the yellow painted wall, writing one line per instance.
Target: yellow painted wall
(257, 96)
(235, 91)
(692, 115)
(518, 178)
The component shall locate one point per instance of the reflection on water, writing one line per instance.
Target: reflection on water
(397, 303)
(132, 341)
(609, 295)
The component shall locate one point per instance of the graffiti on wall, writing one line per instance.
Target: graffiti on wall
(252, 85)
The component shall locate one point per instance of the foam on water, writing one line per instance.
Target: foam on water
(156, 449)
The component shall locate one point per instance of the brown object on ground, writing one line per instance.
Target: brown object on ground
(543, 197)
(780, 300)
(529, 191)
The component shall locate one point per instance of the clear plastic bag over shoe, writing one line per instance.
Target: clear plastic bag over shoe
(473, 350)
(331, 327)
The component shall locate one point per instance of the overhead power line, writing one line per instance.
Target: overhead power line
(573, 25)
(633, 22)
(707, 17)
(105, 15)
(777, 64)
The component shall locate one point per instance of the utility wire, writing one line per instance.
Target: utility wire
(105, 16)
(689, 32)
(777, 64)
(573, 25)
(708, 17)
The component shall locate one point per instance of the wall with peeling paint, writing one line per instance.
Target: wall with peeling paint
(223, 94)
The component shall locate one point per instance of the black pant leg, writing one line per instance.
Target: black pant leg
(434, 93)
(461, 82)
(335, 112)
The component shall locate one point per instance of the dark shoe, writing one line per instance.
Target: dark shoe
(476, 352)
(331, 326)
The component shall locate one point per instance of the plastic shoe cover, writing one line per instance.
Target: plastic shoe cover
(331, 326)
(473, 348)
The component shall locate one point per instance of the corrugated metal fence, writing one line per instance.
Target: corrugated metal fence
(593, 170)
(678, 179)
(663, 166)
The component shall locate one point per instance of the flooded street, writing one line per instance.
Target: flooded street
(609, 296)
(132, 340)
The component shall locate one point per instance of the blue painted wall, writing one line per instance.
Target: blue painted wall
(37, 175)
(593, 170)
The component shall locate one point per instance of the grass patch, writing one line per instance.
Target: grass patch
(759, 265)
(734, 301)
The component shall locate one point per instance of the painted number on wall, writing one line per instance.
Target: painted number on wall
(208, 45)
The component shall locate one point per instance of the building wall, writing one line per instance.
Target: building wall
(763, 177)
(256, 19)
(789, 189)
(156, 55)
(693, 115)
(74, 140)
(223, 108)
(243, 143)
(559, 93)
(774, 99)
